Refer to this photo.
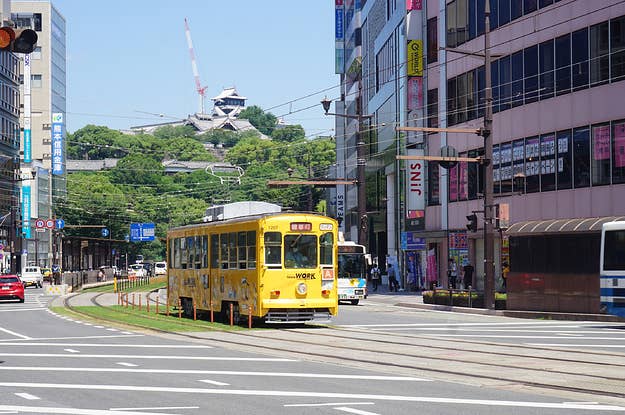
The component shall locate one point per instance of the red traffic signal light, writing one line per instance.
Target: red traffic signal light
(17, 41)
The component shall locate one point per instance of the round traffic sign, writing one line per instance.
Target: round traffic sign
(105, 232)
(50, 224)
(40, 223)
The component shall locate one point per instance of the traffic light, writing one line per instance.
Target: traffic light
(17, 40)
(472, 225)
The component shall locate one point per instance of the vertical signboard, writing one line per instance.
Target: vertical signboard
(415, 57)
(339, 36)
(26, 210)
(57, 144)
(414, 4)
(28, 153)
(415, 191)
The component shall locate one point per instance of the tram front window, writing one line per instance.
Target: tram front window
(300, 251)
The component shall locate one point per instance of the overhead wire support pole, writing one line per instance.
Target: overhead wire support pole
(489, 243)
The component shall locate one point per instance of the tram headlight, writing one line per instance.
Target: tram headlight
(302, 288)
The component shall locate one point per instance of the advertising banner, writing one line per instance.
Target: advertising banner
(415, 190)
(414, 4)
(28, 153)
(415, 93)
(26, 210)
(58, 165)
(619, 145)
(414, 57)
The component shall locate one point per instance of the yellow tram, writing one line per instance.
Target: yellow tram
(281, 267)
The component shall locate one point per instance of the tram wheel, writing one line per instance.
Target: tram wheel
(187, 307)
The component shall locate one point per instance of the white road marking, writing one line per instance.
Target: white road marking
(71, 350)
(69, 411)
(127, 364)
(331, 395)
(214, 382)
(27, 396)
(147, 346)
(154, 407)
(13, 310)
(159, 357)
(499, 336)
(212, 372)
(543, 325)
(12, 333)
(613, 346)
(355, 411)
(75, 337)
(329, 404)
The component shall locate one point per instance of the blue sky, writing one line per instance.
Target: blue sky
(128, 61)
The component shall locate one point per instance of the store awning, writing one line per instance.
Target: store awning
(551, 226)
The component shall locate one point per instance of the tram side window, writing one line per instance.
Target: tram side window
(184, 256)
(199, 251)
(176, 253)
(326, 249)
(190, 251)
(273, 249)
(214, 252)
(204, 251)
(251, 250)
(232, 250)
(242, 249)
(614, 251)
(223, 249)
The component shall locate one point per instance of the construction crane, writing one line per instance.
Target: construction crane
(201, 90)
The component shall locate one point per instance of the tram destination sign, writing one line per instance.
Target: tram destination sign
(142, 232)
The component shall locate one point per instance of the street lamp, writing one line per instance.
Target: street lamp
(360, 163)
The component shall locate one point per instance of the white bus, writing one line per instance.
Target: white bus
(353, 266)
(612, 268)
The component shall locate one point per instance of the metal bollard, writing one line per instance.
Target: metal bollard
(470, 299)
(249, 316)
(167, 306)
(157, 301)
(194, 310)
(179, 309)
(139, 295)
(211, 304)
(147, 302)
(231, 316)
(133, 301)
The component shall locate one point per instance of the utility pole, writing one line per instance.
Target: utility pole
(51, 235)
(360, 174)
(489, 243)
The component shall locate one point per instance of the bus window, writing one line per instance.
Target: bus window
(326, 245)
(273, 249)
(300, 251)
(214, 257)
(614, 250)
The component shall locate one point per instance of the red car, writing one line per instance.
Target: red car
(11, 288)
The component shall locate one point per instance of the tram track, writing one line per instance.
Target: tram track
(584, 373)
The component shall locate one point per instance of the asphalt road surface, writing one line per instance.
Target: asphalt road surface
(50, 364)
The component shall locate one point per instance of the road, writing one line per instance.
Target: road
(51, 364)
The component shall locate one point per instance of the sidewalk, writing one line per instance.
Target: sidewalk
(414, 299)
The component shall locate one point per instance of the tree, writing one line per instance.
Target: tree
(137, 169)
(265, 122)
(288, 133)
(95, 143)
(184, 148)
(168, 132)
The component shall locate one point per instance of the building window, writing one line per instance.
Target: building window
(618, 151)
(617, 48)
(461, 96)
(35, 81)
(601, 154)
(505, 171)
(472, 19)
(462, 22)
(432, 40)
(451, 101)
(563, 64)
(517, 79)
(36, 54)
(581, 157)
(496, 169)
(505, 83)
(546, 67)
(599, 53)
(504, 12)
(530, 65)
(532, 164)
(565, 160)
(529, 6)
(579, 59)
(433, 108)
(433, 184)
(548, 162)
(451, 25)
(545, 3)
(518, 166)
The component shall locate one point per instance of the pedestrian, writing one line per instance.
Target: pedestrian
(452, 272)
(504, 275)
(375, 277)
(467, 275)
(101, 275)
(393, 284)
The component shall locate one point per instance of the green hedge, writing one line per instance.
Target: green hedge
(461, 299)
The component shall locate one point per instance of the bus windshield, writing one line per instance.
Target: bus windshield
(300, 251)
(352, 265)
(614, 250)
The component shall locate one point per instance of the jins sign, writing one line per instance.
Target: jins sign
(415, 192)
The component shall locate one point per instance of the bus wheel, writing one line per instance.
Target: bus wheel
(187, 307)
(354, 302)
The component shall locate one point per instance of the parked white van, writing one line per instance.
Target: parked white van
(32, 275)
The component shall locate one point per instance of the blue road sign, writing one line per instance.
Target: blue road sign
(105, 232)
(142, 232)
(60, 223)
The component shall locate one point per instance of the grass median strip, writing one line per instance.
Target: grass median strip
(150, 320)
